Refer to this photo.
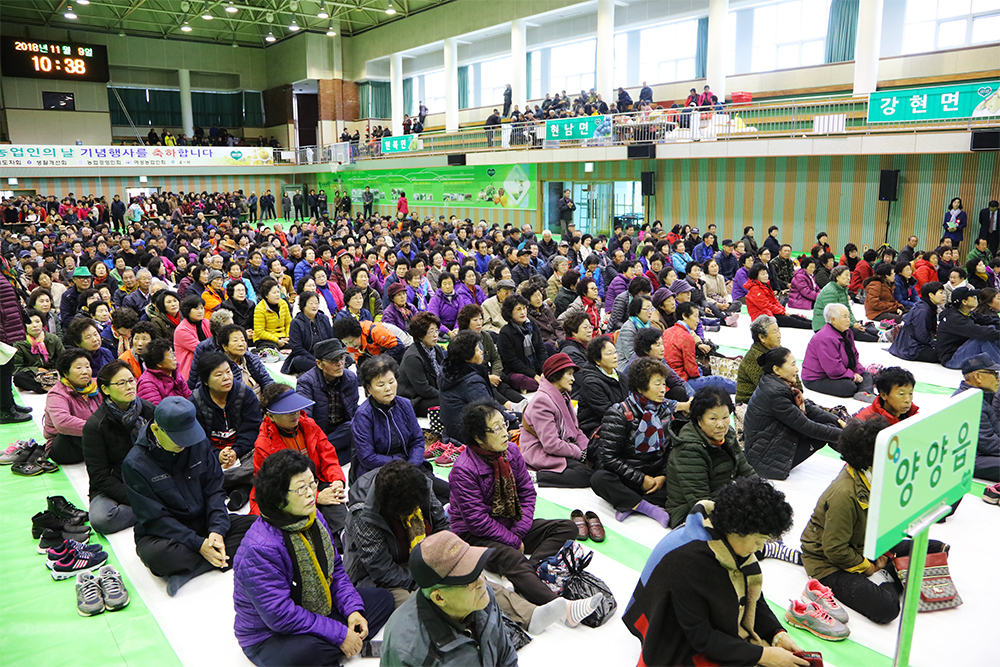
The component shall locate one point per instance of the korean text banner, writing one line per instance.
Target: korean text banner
(499, 186)
(964, 100)
(133, 156)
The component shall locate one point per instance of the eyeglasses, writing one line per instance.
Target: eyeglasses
(498, 430)
(302, 490)
(128, 382)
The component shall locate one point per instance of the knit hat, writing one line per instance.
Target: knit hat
(680, 286)
(661, 295)
(212, 275)
(395, 289)
(556, 363)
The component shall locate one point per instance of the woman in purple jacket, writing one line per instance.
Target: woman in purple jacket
(803, 289)
(740, 279)
(831, 365)
(493, 505)
(446, 303)
(552, 442)
(294, 603)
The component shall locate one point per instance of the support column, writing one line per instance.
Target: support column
(519, 63)
(867, 47)
(187, 115)
(605, 49)
(396, 92)
(450, 84)
(715, 70)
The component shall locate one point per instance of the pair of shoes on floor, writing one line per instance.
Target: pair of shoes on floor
(433, 449)
(74, 562)
(819, 612)
(16, 452)
(991, 494)
(15, 416)
(588, 525)
(56, 554)
(30, 460)
(48, 521)
(449, 455)
(95, 594)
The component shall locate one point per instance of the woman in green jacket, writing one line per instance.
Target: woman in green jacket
(705, 455)
(835, 291)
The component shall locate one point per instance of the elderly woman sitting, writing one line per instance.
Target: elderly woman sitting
(632, 444)
(295, 604)
(520, 345)
(68, 406)
(160, 379)
(832, 365)
(766, 335)
(782, 428)
(84, 333)
(422, 363)
(600, 383)
(552, 442)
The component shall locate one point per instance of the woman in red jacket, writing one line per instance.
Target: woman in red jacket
(926, 269)
(761, 300)
(285, 426)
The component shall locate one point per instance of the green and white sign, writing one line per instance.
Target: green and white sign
(969, 100)
(572, 128)
(401, 144)
(920, 464)
(495, 186)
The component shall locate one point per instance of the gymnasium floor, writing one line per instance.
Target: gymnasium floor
(39, 624)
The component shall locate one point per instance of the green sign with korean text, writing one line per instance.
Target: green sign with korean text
(921, 463)
(401, 144)
(572, 128)
(968, 100)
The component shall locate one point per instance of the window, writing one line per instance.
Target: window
(434, 92)
(730, 56)
(621, 61)
(788, 34)
(661, 64)
(535, 91)
(932, 25)
(573, 67)
(494, 76)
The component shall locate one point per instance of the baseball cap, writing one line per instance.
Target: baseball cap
(980, 362)
(446, 559)
(556, 363)
(241, 254)
(178, 418)
(288, 403)
(24, 253)
(330, 349)
(960, 294)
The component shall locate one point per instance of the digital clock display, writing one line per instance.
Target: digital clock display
(53, 60)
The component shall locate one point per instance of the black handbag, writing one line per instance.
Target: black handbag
(581, 585)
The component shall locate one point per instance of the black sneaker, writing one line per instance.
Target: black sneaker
(237, 499)
(64, 509)
(46, 519)
(14, 417)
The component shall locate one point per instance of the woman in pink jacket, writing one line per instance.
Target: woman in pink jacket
(804, 289)
(551, 440)
(68, 405)
(160, 378)
(192, 329)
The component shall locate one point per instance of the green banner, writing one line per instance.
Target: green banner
(964, 100)
(572, 128)
(497, 186)
(401, 144)
(921, 463)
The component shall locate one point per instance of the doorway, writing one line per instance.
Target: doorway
(594, 202)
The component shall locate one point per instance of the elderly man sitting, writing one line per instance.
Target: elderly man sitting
(832, 365)
(981, 372)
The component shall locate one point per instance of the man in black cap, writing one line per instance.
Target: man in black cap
(523, 269)
(334, 392)
(174, 484)
(981, 372)
(960, 324)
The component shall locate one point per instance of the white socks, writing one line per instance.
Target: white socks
(547, 614)
(581, 609)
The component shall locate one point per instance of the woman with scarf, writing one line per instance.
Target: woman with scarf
(160, 380)
(329, 290)
(422, 364)
(700, 598)
(271, 319)
(85, 333)
(308, 328)
(241, 306)
(542, 316)
(640, 311)
(370, 295)
(587, 301)
(213, 294)
(107, 439)
(783, 428)
(493, 505)
(41, 300)
(880, 301)
(166, 313)
(354, 305)
(287, 426)
(520, 345)
(342, 269)
(193, 329)
(36, 355)
(295, 604)
(399, 312)
(632, 443)
(68, 405)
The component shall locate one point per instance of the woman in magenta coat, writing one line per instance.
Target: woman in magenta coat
(192, 330)
(160, 378)
(804, 289)
(551, 440)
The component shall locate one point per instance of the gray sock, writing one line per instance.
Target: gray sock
(546, 615)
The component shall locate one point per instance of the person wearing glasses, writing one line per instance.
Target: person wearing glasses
(108, 437)
(68, 406)
(640, 310)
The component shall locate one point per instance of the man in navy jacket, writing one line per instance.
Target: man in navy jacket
(331, 379)
(174, 485)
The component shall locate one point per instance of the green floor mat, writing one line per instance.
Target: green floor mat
(39, 623)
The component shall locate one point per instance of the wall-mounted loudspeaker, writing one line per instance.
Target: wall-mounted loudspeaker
(986, 140)
(887, 184)
(456, 160)
(642, 152)
(649, 184)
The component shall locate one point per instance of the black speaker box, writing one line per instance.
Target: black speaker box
(887, 184)
(456, 160)
(642, 152)
(986, 140)
(648, 183)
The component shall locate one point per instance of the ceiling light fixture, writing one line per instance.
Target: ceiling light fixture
(389, 10)
(207, 16)
(270, 37)
(323, 14)
(231, 8)
(294, 26)
(83, 2)
(293, 5)
(69, 13)
(186, 27)
(330, 32)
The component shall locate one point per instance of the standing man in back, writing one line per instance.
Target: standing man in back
(507, 94)
(566, 209)
(989, 226)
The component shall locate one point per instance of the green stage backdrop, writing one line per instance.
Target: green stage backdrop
(496, 187)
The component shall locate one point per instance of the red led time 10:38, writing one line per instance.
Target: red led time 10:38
(68, 65)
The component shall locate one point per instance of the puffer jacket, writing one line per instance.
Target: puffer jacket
(446, 307)
(774, 426)
(312, 385)
(156, 385)
(268, 325)
(879, 298)
(11, 315)
(373, 430)
(614, 449)
(598, 392)
(460, 388)
(472, 487)
(302, 337)
(417, 378)
(66, 412)
(761, 300)
(803, 290)
(106, 443)
(831, 293)
(543, 318)
(263, 575)
(924, 272)
(511, 345)
(372, 554)
(697, 469)
(918, 331)
(25, 360)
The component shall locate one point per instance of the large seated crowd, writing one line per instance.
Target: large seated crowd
(517, 360)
